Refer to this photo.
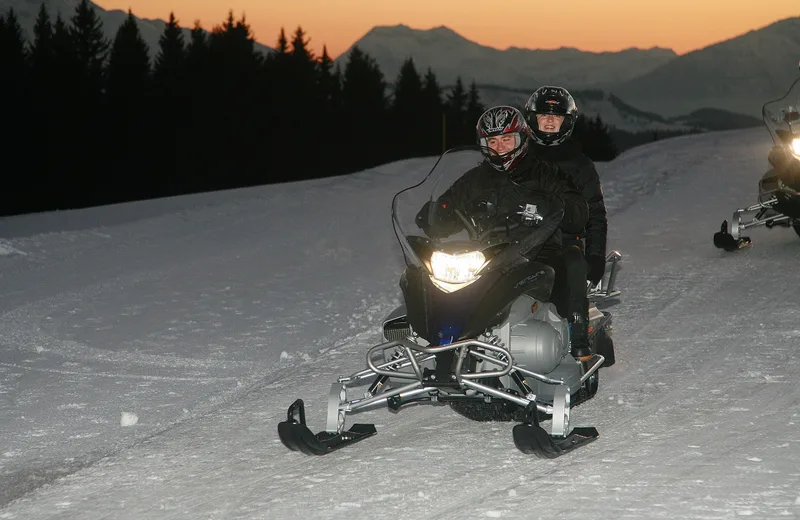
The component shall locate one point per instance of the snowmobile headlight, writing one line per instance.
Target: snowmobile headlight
(796, 147)
(452, 272)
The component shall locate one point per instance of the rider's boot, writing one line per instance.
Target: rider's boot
(579, 338)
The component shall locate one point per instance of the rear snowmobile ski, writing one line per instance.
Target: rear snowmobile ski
(476, 331)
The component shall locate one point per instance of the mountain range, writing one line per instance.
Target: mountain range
(736, 75)
(450, 55)
(739, 74)
(151, 30)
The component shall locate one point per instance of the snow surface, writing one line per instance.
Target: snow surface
(149, 350)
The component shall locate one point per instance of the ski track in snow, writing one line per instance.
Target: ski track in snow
(208, 320)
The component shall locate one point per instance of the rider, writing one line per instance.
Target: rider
(504, 137)
(552, 113)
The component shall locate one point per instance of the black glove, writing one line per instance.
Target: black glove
(597, 268)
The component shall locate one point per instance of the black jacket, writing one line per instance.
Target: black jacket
(483, 184)
(583, 174)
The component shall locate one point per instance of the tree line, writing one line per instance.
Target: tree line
(96, 121)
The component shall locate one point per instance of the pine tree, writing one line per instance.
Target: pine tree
(365, 108)
(197, 50)
(42, 51)
(196, 153)
(329, 89)
(90, 46)
(128, 94)
(595, 138)
(43, 87)
(297, 87)
(407, 109)
(170, 61)
(304, 73)
(170, 93)
(64, 119)
(67, 69)
(329, 82)
(234, 72)
(278, 104)
(13, 54)
(363, 85)
(300, 51)
(602, 146)
(472, 112)
(474, 107)
(64, 51)
(129, 65)
(283, 44)
(455, 109)
(90, 50)
(15, 118)
(232, 46)
(434, 114)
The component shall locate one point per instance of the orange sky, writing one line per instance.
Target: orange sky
(592, 25)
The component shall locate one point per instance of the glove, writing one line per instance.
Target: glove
(596, 268)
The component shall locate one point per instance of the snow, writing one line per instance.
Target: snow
(205, 316)
(128, 419)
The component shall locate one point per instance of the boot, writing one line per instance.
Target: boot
(579, 338)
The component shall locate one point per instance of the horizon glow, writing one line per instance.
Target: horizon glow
(588, 25)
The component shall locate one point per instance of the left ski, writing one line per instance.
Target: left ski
(296, 436)
(724, 240)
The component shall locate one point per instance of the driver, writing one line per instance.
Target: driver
(504, 135)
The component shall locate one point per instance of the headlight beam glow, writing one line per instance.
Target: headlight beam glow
(452, 272)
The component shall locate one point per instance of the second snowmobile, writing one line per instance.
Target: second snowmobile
(476, 330)
(778, 202)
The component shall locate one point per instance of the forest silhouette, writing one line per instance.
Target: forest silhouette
(94, 121)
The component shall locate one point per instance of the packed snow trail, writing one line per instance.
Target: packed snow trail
(695, 418)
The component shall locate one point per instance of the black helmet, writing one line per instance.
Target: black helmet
(503, 120)
(551, 100)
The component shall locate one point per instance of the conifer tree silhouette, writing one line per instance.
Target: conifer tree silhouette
(128, 96)
(407, 135)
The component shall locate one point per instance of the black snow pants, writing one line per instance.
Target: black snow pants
(569, 287)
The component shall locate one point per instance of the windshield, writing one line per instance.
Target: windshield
(464, 205)
(782, 117)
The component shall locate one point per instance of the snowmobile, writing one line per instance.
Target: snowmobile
(476, 331)
(778, 202)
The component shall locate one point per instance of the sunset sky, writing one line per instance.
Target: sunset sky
(590, 25)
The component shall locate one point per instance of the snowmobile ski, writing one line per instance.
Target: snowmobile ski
(296, 436)
(724, 240)
(531, 438)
